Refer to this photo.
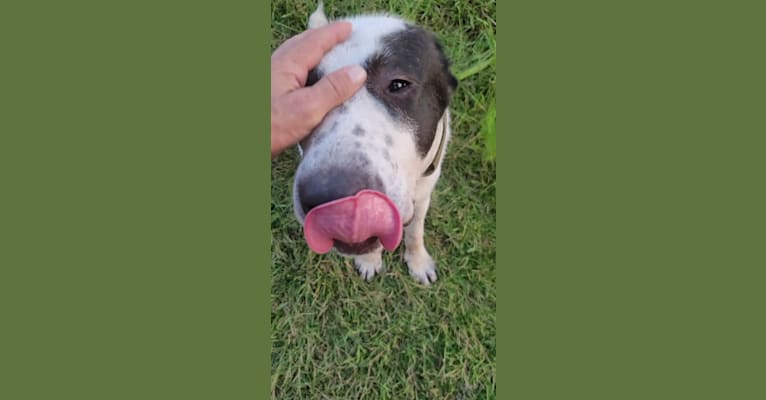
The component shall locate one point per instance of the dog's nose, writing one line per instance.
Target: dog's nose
(332, 185)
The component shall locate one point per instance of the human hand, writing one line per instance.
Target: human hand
(296, 109)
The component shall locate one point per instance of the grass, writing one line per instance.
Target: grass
(335, 336)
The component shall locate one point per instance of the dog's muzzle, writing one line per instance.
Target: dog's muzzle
(347, 209)
(357, 221)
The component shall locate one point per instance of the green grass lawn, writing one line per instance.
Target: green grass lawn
(335, 336)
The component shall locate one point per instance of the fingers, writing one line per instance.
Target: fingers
(332, 90)
(294, 115)
(296, 110)
(308, 48)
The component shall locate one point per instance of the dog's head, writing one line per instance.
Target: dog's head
(355, 185)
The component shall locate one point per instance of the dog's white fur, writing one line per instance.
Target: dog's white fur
(402, 171)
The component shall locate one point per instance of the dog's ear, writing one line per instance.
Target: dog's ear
(317, 18)
(451, 80)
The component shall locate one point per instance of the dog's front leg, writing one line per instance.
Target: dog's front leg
(420, 263)
(369, 264)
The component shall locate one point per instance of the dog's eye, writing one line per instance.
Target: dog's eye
(397, 85)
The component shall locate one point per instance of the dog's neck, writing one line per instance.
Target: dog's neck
(441, 136)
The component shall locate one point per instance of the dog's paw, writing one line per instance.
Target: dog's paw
(368, 267)
(422, 267)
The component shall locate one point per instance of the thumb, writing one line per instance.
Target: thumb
(335, 88)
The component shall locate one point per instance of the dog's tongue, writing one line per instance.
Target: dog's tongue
(353, 219)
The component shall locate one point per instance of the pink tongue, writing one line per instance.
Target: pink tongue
(353, 219)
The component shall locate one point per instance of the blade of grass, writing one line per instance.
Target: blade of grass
(475, 68)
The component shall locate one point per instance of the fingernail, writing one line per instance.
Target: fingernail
(357, 74)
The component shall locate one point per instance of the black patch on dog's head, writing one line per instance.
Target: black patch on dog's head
(312, 77)
(410, 75)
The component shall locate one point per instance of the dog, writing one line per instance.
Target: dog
(367, 171)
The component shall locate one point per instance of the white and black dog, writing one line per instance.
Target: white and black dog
(368, 170)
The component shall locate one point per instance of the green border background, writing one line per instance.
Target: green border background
(631, 200)
(135, 228)
(134, 261)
